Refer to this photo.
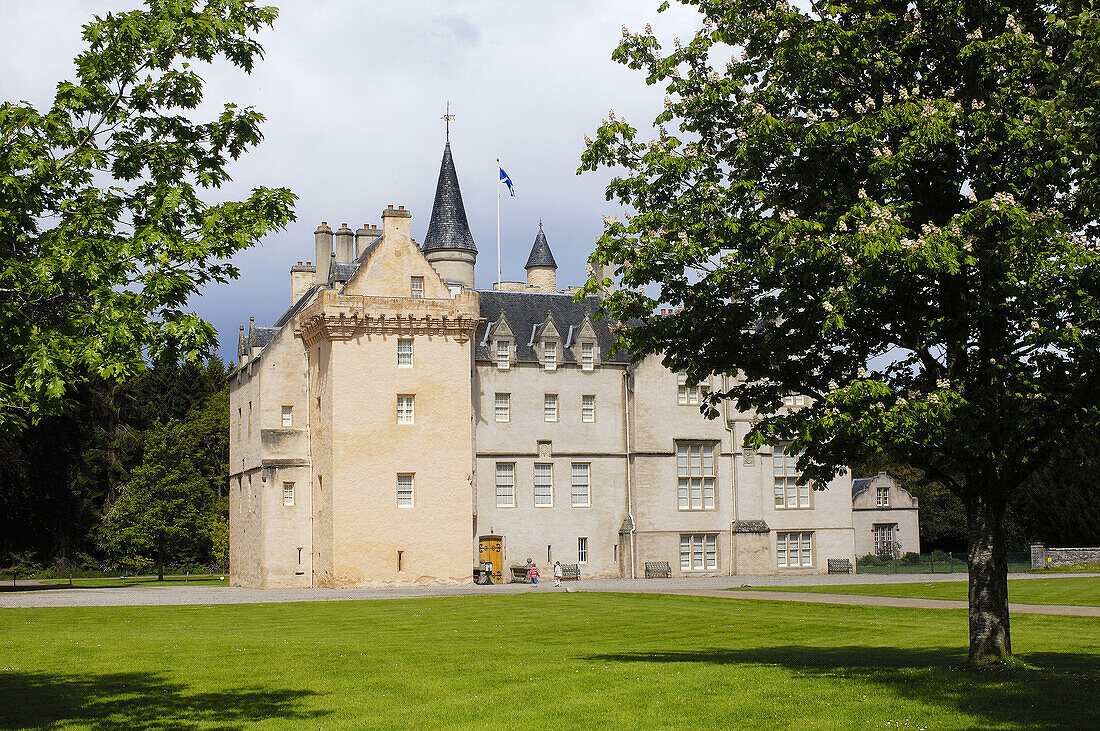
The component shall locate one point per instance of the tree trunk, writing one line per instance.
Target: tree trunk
(989, 636)
(160, 557)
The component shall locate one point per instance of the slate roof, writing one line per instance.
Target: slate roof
(541, 256)
(448, 227)
(525, 311)
(750, 526)
(860, 484)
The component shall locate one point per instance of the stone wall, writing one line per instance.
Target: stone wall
(1043, 557)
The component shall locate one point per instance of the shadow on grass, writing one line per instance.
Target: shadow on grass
(1057, 690)
(138, 700)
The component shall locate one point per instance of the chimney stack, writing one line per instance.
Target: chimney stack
(323, 235)
(345, 244)
(397, 222)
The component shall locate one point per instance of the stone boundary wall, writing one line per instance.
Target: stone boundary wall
(1042, 557)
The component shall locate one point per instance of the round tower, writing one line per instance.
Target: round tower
(542, 270)
(449, 245)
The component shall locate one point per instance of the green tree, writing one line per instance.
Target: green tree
(172, 506)
(888, 206)
(103, 233)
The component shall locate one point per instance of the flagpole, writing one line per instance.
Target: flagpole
(498, 223)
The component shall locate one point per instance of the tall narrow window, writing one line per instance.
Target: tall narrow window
(885, 544)
(588, 356)
(405, 409)
(582, 550)
(405, 491)
(503, 355)
(417, 288)
(288, 493)
(882, 497)
(550, 355)
(544, 485)
(404, 353)
(502, 407)
(581, 495)
(788, 493)
(695, 470)
(506, 484)
(288, 416)
(550, 407)
(588, 409)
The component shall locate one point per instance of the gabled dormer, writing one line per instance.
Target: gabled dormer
(547, 342)
(501, 340)
(585, 345)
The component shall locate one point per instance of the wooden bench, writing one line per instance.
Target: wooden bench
(519, 574)
(840, 566)
(570, 572)
(658, 570)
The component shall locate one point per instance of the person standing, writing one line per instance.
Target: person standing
(533, 574)
(557, 573)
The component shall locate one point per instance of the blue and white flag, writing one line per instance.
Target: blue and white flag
(507, 181)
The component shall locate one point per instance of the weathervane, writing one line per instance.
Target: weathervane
(447, 117)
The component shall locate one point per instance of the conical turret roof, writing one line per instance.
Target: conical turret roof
(541, 256)
(448, 228)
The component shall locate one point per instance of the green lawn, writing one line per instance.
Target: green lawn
(563, 659)
(143, 581)
(1076, 591)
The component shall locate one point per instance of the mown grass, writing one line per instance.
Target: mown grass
(201, 580)
(1073, 591)
(570, 660)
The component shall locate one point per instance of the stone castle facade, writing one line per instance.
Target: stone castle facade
(397, 425)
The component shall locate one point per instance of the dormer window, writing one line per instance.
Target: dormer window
(417, 288)
(550, 355)
(503, 355)
(588, 356)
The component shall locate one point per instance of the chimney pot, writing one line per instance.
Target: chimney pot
(324, 223)
(343, 225)
(299, 263)
(401, 208)
(390, 207)
(309, 263)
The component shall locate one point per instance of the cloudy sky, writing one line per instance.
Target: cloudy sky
(353, 93)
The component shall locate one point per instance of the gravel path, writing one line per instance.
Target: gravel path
(34, 596)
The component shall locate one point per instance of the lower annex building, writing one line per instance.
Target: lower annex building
(396, 421)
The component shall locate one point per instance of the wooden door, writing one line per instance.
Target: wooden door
(488, 551)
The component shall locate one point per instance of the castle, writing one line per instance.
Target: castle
(398, 426)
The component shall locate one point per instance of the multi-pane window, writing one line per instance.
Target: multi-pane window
(788, 493)
(882, 497)
(405, 491)
(550, 355)
(588, 409)
(544, 485)
(688, 395)
(404, 353)
(506, 484)
(550, 407)
(582, 550)
(405, 409)
(580, 494)
(503, 355)
(695, 471)
(588, 356)
(794, 400)
(884, 538)
(794, 550)
(698, 552)
(417, 288)
(288, 416)
(502, 407)
(288, 493)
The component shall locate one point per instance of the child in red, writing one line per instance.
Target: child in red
(533, 574)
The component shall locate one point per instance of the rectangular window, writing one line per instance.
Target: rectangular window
(503, 355)
(788, 493)
(417, 287)
(506, 484)
(794, 550)
(404, 353)
(698, 552)
(405, 491)
(288, 493)
(588, 409)
(695, 472)
(794, 400)
(550, 355)
(288, 416)
(405, 409)
(882, 497)
(588, 356)
(550, 407)
(884, 539)
(544, 485)
(503, 407)
(582, 550)
(581, 495)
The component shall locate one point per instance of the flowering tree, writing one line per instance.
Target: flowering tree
(888, 206)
